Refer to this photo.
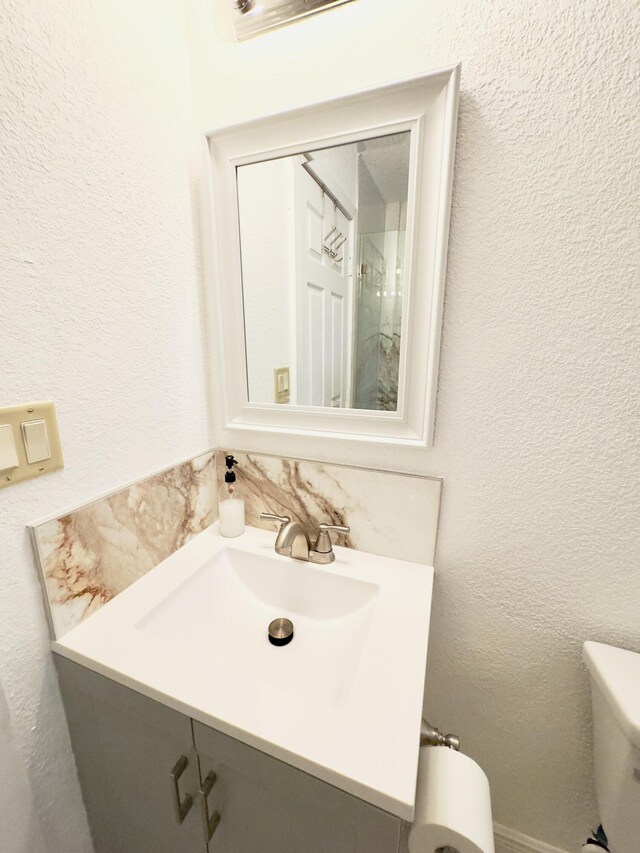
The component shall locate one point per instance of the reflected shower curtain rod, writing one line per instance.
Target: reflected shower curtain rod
(325, 189)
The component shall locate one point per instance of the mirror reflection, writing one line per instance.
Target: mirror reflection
(323, 260)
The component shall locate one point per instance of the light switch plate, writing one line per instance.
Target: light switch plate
(281, 392)
(15, 416)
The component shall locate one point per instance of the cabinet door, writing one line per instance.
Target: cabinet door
(266, 806)
(126, 747)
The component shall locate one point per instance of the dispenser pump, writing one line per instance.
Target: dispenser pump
(230, 475)
(231, 502)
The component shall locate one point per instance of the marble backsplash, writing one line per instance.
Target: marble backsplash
(89, 555)
(391, 514)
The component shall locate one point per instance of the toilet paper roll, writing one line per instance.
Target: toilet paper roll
(453, 805)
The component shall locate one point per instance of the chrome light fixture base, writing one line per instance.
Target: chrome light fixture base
(252, 17)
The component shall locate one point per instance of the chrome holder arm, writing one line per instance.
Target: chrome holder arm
(431, 736)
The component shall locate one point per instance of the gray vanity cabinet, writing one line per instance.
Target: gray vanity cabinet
(223, 797)
(126, 747)
(267, 806)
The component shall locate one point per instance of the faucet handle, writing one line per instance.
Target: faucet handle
(339, 528)
(283, 519)
(323, 544)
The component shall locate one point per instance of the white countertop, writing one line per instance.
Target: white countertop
(351, 717)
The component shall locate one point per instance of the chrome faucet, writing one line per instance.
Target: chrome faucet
(293, 541)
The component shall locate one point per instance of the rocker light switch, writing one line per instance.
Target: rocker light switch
(36, 440)
(8, 455)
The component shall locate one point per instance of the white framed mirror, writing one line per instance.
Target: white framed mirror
(328, 230)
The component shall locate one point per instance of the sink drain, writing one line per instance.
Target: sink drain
(281, 631)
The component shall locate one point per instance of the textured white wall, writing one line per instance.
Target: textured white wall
(538, 412)
(100, 312)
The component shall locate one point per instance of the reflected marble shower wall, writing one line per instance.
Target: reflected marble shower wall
(390, 514)
(391, 309)
(388, 370)
(379, 305)
(91, 554)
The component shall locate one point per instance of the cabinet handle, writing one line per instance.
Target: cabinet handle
(182, 807)
(210, 821)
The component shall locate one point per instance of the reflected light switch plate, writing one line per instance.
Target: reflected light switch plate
(8, 455)
(281, 385)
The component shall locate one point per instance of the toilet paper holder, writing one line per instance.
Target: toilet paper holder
(431, 736)
(453, 801)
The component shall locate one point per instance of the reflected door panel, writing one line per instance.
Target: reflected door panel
(321, 297)
(313, 211)
(311, 347)
(337, 362)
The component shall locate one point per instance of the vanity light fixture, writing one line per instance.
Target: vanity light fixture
(251, 18)
(248, 7)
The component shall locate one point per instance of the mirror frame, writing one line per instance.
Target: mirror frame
(427, 106)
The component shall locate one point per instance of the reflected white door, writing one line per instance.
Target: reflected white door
(322, 298)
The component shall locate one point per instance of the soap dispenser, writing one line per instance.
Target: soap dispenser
(230, 502)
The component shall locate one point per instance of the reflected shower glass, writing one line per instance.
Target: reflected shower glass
(322, 237)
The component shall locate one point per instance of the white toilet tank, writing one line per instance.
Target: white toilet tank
(615, 694)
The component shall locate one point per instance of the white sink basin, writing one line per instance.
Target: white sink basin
(342, 701)
(221, 613)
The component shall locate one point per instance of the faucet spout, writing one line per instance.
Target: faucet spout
(292, 541)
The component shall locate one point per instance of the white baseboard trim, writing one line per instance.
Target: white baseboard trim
(510, 841)
(506, 841)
